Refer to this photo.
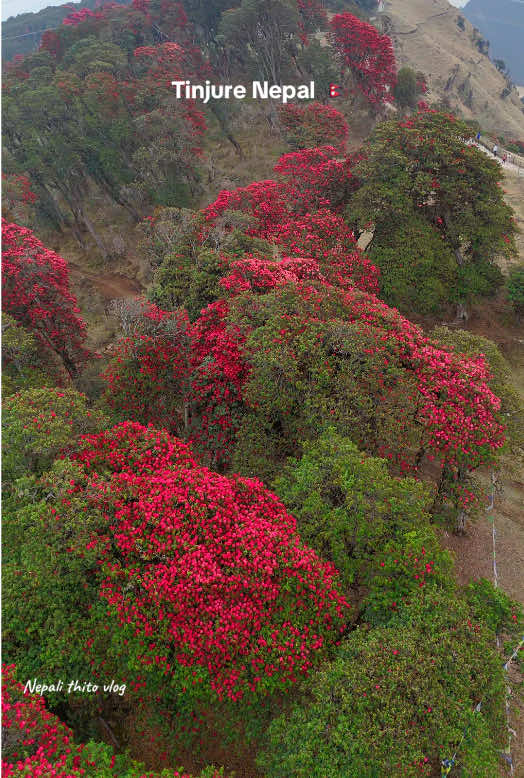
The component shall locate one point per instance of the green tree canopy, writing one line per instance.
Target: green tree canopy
(422, 167)
(347, 505)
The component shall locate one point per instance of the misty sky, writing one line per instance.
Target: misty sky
(14, 7)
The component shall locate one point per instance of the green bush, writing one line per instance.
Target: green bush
(397, 700)
(347, 505)
(22, 364)
(516, 289)
(404, 567)
(406, 88)
(38, 424)
(418, 271)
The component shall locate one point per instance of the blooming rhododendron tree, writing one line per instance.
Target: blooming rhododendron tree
(35, 286)
(146, 379)
(316, 353)
(308, 180)
(314, 124)
(209, 572)
(367, 54)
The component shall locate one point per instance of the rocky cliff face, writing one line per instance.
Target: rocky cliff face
(436, 38)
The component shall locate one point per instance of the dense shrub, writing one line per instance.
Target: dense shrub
(338, 514)
(39, 424)
(405, 90)
(418, 270)
(516, 289)
(397, 700)
(423, 169)
(24, 365)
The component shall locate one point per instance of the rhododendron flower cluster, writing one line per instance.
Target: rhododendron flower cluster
(35, 287)
(367, 54)
(77, 17)
(314, 124)
(326, 237)
(310, 179)
(147, 378)
(316, 178)
(209, 571)
(218, 373)
(19, 185)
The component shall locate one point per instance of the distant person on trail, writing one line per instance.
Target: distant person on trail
(495, 149)
(478, 136)
(504, 158)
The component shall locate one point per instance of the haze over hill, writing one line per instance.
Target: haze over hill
(502, 22)
(429, 36)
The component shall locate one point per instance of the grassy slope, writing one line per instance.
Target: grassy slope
(427, 38)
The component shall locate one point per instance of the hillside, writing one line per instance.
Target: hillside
(502, 22)
(263, 373)
(22, 34)
(428, 37)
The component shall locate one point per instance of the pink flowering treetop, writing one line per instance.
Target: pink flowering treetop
(212, 589)
(35, 287)
(367, 54)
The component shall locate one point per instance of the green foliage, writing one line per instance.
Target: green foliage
(318, 64)
(206, 14)
(406, 88)
(269, 54)
(501, 614)
(188, 279)
(396, 700)
(331, 375)
(22, 362)
(347, 506)
(418, 271)
(404, 566)
(38, 424)
(422, 169)
(188, 272)
(51, 607)
(516, 289)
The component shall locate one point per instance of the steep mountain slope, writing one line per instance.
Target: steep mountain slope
(428, 35)
(502, 22)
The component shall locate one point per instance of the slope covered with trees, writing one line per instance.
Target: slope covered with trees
(235, 509)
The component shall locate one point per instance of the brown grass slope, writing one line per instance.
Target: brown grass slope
(427, 38)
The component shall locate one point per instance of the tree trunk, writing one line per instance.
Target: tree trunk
(460, 524)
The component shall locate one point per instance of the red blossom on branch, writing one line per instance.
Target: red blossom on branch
(367, 54)
(35, 288)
